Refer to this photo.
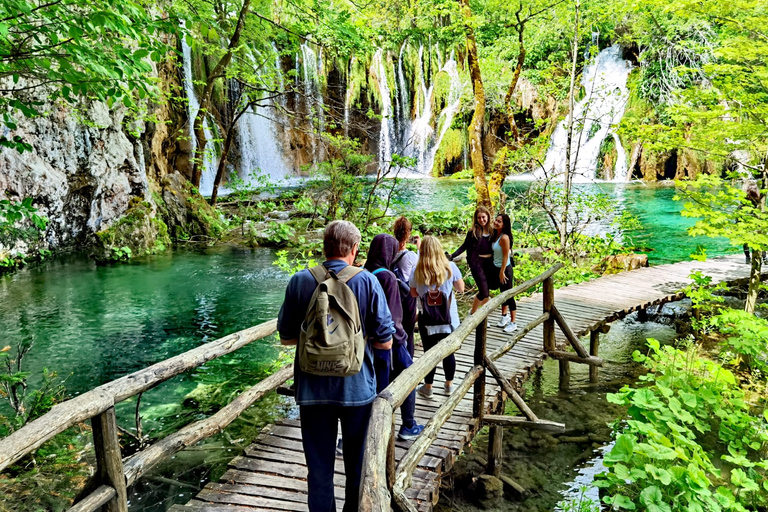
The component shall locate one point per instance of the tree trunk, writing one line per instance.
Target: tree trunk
(567, 179)
(205, 101)
(500, 169)
(478, 118)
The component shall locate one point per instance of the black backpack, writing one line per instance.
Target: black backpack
(402, 281)
(435, 308)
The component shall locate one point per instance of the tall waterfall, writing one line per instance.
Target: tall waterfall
(312, 67)
(193, 105)
(260, 150)
(386, 132)
(419, 140)
(599, 113)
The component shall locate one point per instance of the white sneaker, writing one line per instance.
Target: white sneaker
(505, 320)
(511, 327)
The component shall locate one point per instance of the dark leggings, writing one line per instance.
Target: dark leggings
(492, 276)
(449, 363)
(478, 274)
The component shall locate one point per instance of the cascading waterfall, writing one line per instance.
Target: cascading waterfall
(405, 107)
(605, 83)
(420, 140)
(378, 69)
(208, 172)
(313, 95)
(259, 148)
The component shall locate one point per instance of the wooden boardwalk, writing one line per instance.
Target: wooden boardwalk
(271, 474)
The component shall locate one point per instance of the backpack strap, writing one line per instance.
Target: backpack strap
(348, 273)
(320, 273)
(399, 257)
(380, 269)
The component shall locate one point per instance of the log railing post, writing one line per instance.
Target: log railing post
(109, 461)
(495, 446)
(478, 404)
(594, 342)
(391, 458)
(549, 324)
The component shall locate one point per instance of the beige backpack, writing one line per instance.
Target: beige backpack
(331, 342)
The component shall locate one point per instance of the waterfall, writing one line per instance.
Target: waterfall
(421, 142)
(312, 65)
(208, 171)
(260, 150)
(405, 107)
(605, 83)
(378, 69)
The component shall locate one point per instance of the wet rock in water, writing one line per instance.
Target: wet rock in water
(278, 215)
(488, 491)
(671, 312)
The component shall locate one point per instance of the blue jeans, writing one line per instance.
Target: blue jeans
(319, 429)
(388, 365)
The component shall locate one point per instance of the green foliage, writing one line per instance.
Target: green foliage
(723, 210)
(26, 404)
(294, 262)
(692, 410)
(279, 233)
(746, 338)
(75, 49)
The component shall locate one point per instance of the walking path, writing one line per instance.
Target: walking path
(271, 474)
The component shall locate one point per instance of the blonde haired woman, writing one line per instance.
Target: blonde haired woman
(433, 280)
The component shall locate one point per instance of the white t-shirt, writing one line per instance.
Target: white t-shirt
(447, 289)
(407, 262)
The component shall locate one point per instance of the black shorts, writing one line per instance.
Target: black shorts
(491, 272)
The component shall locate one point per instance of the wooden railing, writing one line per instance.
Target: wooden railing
(382, 481)
(108, 487)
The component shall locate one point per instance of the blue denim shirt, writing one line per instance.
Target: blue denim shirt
(355, 390)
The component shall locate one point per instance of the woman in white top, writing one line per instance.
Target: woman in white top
(498, 269)
(433, 280)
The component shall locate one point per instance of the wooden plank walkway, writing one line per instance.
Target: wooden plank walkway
(271, 474)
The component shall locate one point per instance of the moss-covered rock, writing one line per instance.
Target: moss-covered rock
(448, 157)
(186, 213)
(606, 159)
(137, 233)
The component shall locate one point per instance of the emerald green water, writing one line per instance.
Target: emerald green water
(663, 228)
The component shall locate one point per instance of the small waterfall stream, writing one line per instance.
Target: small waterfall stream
(600, 111)
(193, 105)
(312, 69)
(386, 132)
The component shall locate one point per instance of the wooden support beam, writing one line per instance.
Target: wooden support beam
(565, 374)
(478, 400)
(410, 461)
(496, 354)
(109, 461)
(510, 391)
(402, 503)
(594, 342)
(549, 324)
(495, 451)
(570, 356)
(522, 422)
(95, 500)
(569, 335)
(391, 458)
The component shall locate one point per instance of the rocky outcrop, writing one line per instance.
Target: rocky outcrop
(616, 263)
(82, 172)
(137, 233)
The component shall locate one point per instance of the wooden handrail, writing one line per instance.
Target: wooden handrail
(66, 414)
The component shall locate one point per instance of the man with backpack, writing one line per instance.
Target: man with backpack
(336, 314)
